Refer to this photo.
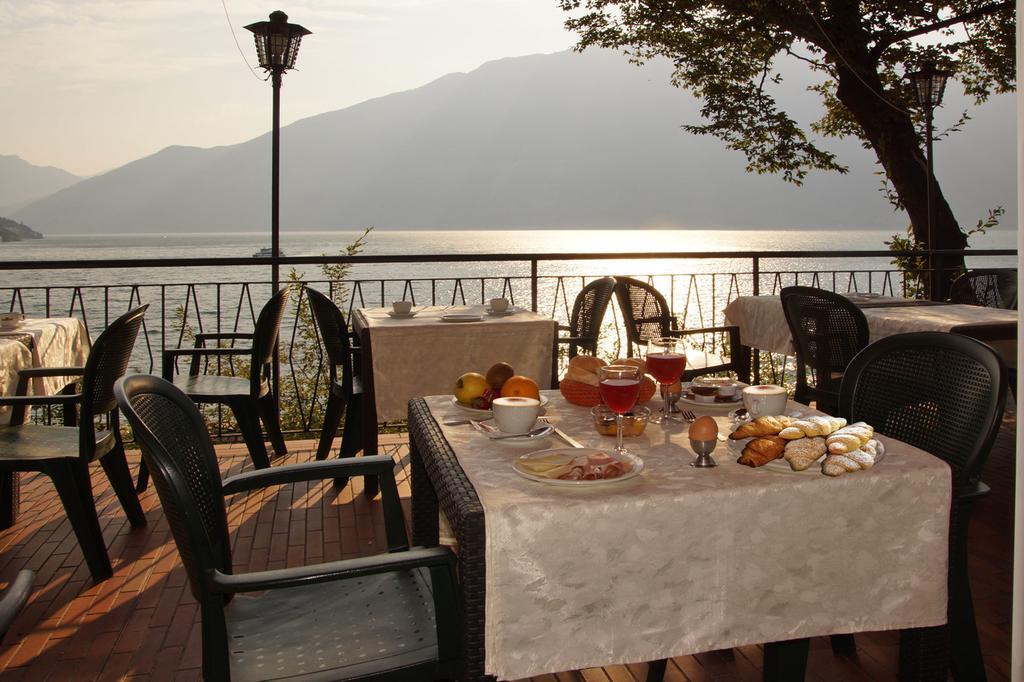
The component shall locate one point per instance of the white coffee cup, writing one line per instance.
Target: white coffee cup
(402, 307)
(727, 390)
(514, 414)
(11, 320)
(765, 400)
(499, 305)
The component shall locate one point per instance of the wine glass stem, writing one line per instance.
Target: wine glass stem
(664, 401)
(618, 433)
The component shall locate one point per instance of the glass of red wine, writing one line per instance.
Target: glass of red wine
(619, 387)
(666, 360)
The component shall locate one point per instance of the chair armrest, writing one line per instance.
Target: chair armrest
(202, 336)
(14, 598)
(172, 352)
(563, 328)
(224, 583)
(704, 330)
(51, 372)
(571, 339)
(21, 403)
(308, 471)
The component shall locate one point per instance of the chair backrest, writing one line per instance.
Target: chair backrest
(588, 312)
(268, 325)
(333, 333)
(645, 312)
(828, 330)
(941, 392)
(107, 362)
(179, 453)
(995, 288)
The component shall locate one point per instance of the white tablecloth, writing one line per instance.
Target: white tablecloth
(763, 325)
(422, 355)
(680, 560)
(56, 342)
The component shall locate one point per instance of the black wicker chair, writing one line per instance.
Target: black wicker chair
(828, 331)
(646, 316)
(250, 399)
(392, 616)
(14, 597)
(994, 288)
(585, 322)
(345, 391)
(63, 453)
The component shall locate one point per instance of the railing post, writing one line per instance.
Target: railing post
(756, 364)
(533, 284)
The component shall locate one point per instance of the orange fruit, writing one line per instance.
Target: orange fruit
(520, 386)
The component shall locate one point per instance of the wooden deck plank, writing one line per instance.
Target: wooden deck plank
(144, 624)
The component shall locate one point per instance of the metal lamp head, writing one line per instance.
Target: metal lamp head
(277, 42)
(929, 85)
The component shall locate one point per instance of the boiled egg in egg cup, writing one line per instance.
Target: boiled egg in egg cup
(703, 440)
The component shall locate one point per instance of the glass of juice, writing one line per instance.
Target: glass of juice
(619, 388)
(666, 360)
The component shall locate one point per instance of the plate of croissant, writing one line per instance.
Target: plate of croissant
(808, 445)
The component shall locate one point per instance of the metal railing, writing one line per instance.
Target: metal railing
(179, 306)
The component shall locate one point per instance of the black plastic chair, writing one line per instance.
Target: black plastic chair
(646, 316)
(828, 331)
(63, 453)
(250, 399)
(388, 617)
(992, 288)
(14, 597)
(587, 314)
(345, 391)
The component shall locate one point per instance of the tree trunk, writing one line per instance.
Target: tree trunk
(891, 134)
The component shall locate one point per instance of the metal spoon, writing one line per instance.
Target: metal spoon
(533, 433)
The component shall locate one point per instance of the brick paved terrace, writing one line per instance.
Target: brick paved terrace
(144, 624)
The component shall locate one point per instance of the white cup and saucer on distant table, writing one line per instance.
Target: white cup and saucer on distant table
(498, 307)
(10, 321)
(765, 400)
(515, 414)
(401, 309)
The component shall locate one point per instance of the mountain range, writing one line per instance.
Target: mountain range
(557, 140)
(21, 183)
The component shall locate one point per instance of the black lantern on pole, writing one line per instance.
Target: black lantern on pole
(277, 47)
(929, 86)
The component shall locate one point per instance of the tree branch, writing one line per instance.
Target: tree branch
(982, 11)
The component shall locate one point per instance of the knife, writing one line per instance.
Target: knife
(561, 434)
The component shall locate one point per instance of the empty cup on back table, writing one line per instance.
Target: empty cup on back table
(499, 305)
(402, 307)
(764, 400)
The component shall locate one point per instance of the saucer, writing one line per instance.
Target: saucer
(402, 316)
(490, 429)
(511, 310)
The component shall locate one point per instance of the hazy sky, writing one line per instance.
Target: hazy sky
(89, 85)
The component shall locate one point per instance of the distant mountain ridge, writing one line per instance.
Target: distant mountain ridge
(22, 182)
(560, 140)
(11, 231)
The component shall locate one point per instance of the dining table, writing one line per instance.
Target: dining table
(426, 351)
(36, 342)
(676, 560)
(762, 323)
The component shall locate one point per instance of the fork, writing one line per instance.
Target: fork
(689, 416)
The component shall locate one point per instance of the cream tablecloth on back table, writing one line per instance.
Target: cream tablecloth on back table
(680, 560)
(55, 342)
(422, 355)
(763, 325)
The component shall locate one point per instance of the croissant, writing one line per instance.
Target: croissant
(803, 452)
(760, 451)
(850, 438)
(762, 426)
(862, 458)
(813, 426)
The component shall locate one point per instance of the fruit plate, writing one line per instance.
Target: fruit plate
(487, 413)
(781, 466)
(638, 466)
(461, 317)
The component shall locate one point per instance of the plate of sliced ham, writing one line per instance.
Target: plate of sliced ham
(577, 466)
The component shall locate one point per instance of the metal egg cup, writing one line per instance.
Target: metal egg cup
(703, 450)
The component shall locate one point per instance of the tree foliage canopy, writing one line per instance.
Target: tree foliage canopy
(726, 51)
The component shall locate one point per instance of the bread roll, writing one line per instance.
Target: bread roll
(804, 452)
(760, 451)
(762, 426)
(850, 438)
(817, 425)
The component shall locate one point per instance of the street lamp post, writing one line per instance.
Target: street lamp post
(277, 47)
(929, 85)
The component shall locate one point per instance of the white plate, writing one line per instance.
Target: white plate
(781, 466)
(402, 316)
(461, 317)
(490, 429)
(638, 466)
(487, 413)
